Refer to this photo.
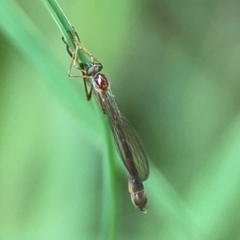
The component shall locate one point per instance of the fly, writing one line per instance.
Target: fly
(126, 139)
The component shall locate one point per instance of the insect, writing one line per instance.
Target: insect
(126, 139)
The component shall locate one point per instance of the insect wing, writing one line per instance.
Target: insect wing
(126, 139)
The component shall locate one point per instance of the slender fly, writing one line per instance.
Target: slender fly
(128, 144)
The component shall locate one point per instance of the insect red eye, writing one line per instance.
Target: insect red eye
(101, 81)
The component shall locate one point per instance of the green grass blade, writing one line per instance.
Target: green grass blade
(26, 39)
(63, 24)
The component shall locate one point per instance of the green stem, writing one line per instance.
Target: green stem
(64, 25)
(109, 218)
(110, 203)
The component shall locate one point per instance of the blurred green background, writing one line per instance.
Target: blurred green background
(174, 68)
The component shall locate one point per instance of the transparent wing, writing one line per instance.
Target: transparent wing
(126, 139)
